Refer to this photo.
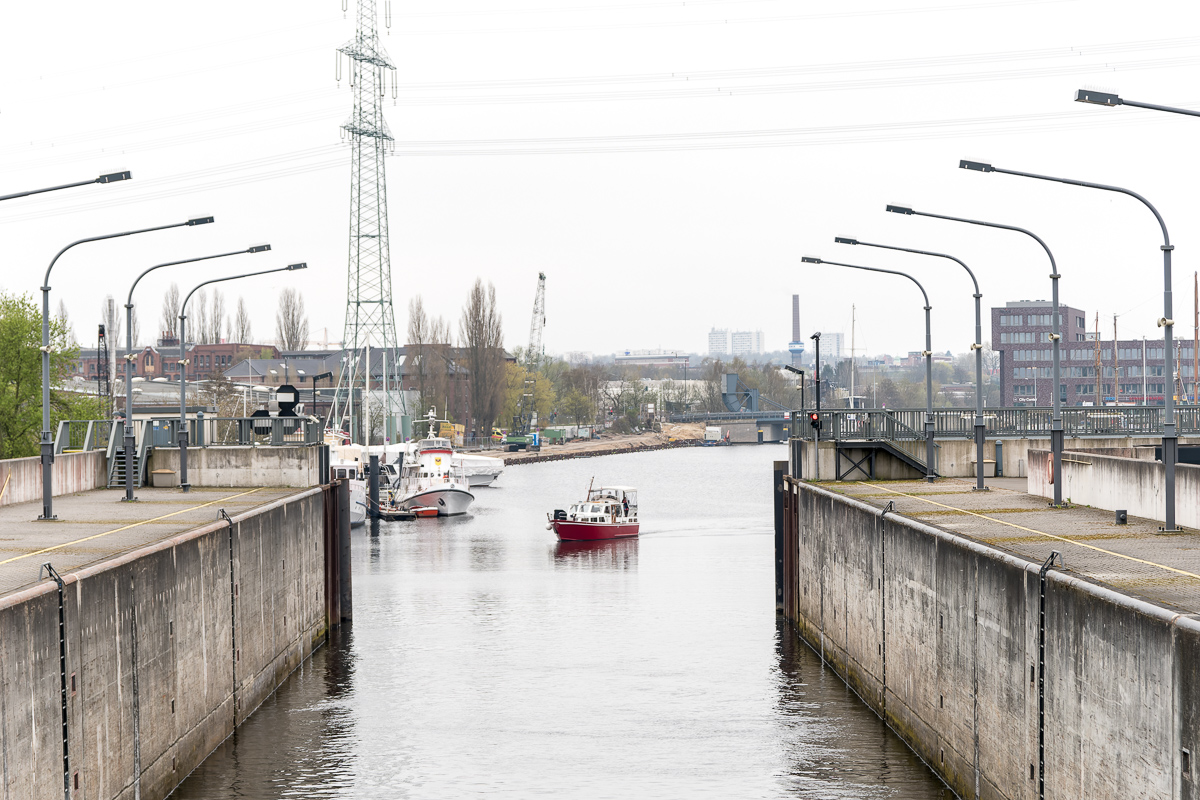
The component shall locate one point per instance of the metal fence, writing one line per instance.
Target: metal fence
(81, 435)
(1027, 422)
(77, 435)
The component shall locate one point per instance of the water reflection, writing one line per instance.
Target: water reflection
(487, 659)
(611, 554)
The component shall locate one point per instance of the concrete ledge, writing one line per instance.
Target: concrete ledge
(73, 472)
(938, 633)
(245, 466)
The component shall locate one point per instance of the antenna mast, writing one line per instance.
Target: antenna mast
(370, 320)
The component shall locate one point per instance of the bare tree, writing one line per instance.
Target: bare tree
(200, 317)
(169, 323)
(429, 353)
(241, 323)
(135, 327)
(66, 321)
(291, 321)
(216, 317)
(481, 333)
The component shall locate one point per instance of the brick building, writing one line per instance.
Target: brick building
(1021, 338)
(205, 360)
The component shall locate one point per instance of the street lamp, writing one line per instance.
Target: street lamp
(930, 473)
(111, 177)
(1170, 440)
(183, 426)
(129, 356)
(977, 346)
(47, 443)
(1056, 423)
(1109, 99)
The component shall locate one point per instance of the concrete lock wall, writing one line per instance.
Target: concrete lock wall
(939, 635)
(243, 466)
(1133, 484)
(166, 653)
(73, 472)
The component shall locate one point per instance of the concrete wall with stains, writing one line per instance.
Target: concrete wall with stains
(21, 478)
(939, 635)
(205, 625)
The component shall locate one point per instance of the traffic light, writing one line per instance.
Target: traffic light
(814, 419)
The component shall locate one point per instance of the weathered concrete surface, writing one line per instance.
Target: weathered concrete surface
(295, 466)
(21, 478)
(1112, 482)
(936, 627)
(218, 615)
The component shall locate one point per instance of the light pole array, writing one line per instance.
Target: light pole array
(47, 443)
(1170, 440)
(111, 177)
(977, 346)
(1056, 421)
(182, 434)
(930, 472)
(129, 356)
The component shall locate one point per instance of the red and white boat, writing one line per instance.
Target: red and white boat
(610, 512)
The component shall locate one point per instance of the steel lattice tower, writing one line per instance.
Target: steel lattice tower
(370, 321)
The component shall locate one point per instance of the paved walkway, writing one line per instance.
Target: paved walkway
(96, 525)
(1134, 559)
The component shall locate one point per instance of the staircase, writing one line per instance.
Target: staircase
(116, 470)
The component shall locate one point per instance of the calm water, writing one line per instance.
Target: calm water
(486, 659)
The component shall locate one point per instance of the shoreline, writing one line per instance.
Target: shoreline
(632, 444)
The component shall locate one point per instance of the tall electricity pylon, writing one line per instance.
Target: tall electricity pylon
(370, 322)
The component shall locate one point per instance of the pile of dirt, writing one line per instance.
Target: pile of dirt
(683, 432)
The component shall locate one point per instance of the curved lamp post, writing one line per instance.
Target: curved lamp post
(183, 362)
(1170, 440)
(111, 177)
(129, 356)
(1056, 422)
(47, 441)
(930, 472)
(977, 346)
(1109, 99)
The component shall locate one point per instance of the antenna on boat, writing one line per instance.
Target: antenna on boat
(589, 494)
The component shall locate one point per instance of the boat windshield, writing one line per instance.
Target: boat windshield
(433, 444)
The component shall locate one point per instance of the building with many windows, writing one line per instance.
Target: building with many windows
(718, 342)
(1131, 373)
(746, 343)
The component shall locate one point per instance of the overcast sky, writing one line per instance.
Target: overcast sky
(665, 163)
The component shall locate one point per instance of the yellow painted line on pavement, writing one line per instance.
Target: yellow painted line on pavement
(1040, 533)
(125, 527)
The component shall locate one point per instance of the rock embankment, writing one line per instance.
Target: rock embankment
(671, 436)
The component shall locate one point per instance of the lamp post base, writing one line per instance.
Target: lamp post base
(981, 488)
(187, 487)
(49, 519)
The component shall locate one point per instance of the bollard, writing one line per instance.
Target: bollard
(373, 487)
(345, 593)
(780, 471)
(999, 471)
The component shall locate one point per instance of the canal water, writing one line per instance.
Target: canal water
(485, 658)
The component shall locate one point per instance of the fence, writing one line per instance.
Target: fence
(1028, 422)
(82, 435)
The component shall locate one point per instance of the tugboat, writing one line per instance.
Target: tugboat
(609, 512)
(429, 479)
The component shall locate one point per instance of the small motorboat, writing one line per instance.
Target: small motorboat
(424, 511)
(610, 512)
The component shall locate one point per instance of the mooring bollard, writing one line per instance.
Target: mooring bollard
(345, 598)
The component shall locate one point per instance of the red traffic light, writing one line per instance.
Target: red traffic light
(814, 416)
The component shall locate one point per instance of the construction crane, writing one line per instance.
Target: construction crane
(523, 436)
(533, 355)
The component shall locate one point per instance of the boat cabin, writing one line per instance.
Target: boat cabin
(607, 504)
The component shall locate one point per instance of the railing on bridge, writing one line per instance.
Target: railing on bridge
(76, 435)
(1027, 422)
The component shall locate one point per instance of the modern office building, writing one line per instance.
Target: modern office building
(1135, 368)
(718, 342)
(746, 343)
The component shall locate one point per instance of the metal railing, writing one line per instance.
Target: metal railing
(234, 431)
(81, 435)
(1023, 422)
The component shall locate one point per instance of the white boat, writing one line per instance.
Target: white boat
(479, 470)
(430, 478)
(345, 461)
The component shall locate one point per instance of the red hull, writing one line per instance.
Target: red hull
(569, 531)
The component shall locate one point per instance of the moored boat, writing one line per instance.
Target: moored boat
(429, 478)
(479, 470)
(346, 462)
(609, 512)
